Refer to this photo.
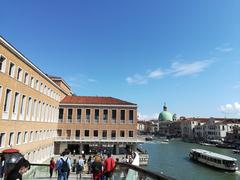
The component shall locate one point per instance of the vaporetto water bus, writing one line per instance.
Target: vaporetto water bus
(214, 159)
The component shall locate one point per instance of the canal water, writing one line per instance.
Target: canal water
(172, 159)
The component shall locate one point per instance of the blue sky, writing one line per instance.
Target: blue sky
(185, 53)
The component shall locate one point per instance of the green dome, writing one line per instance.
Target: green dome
(165, 116)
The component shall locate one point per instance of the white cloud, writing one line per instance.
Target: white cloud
(233, 108)
(225, 48)
(137, 79)
(147, 116)
(156, 73)
(183, 69)
(176, 69)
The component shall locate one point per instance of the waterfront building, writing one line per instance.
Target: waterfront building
(90, 123)
(188, 127)
(29, 102)
(32, 122)
(141, 127)
(215, 129)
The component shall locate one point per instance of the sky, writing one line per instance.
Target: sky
(185, 53)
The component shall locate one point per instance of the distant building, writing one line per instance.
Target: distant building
(93, 123)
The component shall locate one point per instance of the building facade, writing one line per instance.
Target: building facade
(90, 124)
(29, 102)
(39, 114)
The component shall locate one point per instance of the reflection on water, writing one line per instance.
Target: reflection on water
(172, 159)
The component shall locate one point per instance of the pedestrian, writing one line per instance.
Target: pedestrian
(80, 167)
(20, 168)
(97, 168)
(63, 166)
(52, 166)
(109, 166)
(89, 163)
(2, 166)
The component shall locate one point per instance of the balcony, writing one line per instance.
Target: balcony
(94, 139)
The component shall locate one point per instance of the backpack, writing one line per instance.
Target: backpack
(79, 167)
(64, 167)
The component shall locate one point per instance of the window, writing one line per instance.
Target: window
(79, 113)
(41, 87)
(23, 106)
(122, 116)
(11, 70)
(25, 137)
(105, 115)
(2, 63)
(59, 132)
(7, 101)
(96, 116)
(122, 133)
(60, 116)
(29, 107)
(26, 78)
(34, 110)
(2, 139)
(19, 74)
(114, 116)
(77, 134)
(88, 111)
(86, 133)
(70, 115)
(95, 133)
(15, 103)
(37, 85)
(104, 134)
(32, 82)
(31, 136)
(68, 133)
(131, 116)
(130, 134)
(11, 139)
(113, 134)
(19, 138)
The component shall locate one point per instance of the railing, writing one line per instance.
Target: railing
(122, 171)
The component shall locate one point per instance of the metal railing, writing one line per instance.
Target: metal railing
(122, 171)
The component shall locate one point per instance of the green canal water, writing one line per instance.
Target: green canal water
(172, 159)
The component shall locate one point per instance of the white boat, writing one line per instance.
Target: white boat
(214, 159)
(165, 140)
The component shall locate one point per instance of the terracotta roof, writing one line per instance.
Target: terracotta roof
(94, 100)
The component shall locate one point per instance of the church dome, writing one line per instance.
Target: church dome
(165, 115)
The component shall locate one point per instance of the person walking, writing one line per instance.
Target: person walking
(97, 168)
(80, 167)
(52, 166)
(63, 166)
(109, 166)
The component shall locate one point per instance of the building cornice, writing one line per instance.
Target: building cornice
(99, 105)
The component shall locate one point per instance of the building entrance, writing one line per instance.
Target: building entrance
(74, 147)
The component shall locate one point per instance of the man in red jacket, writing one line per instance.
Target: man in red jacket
(109, 166)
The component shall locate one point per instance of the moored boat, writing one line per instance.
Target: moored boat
(214, 159)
